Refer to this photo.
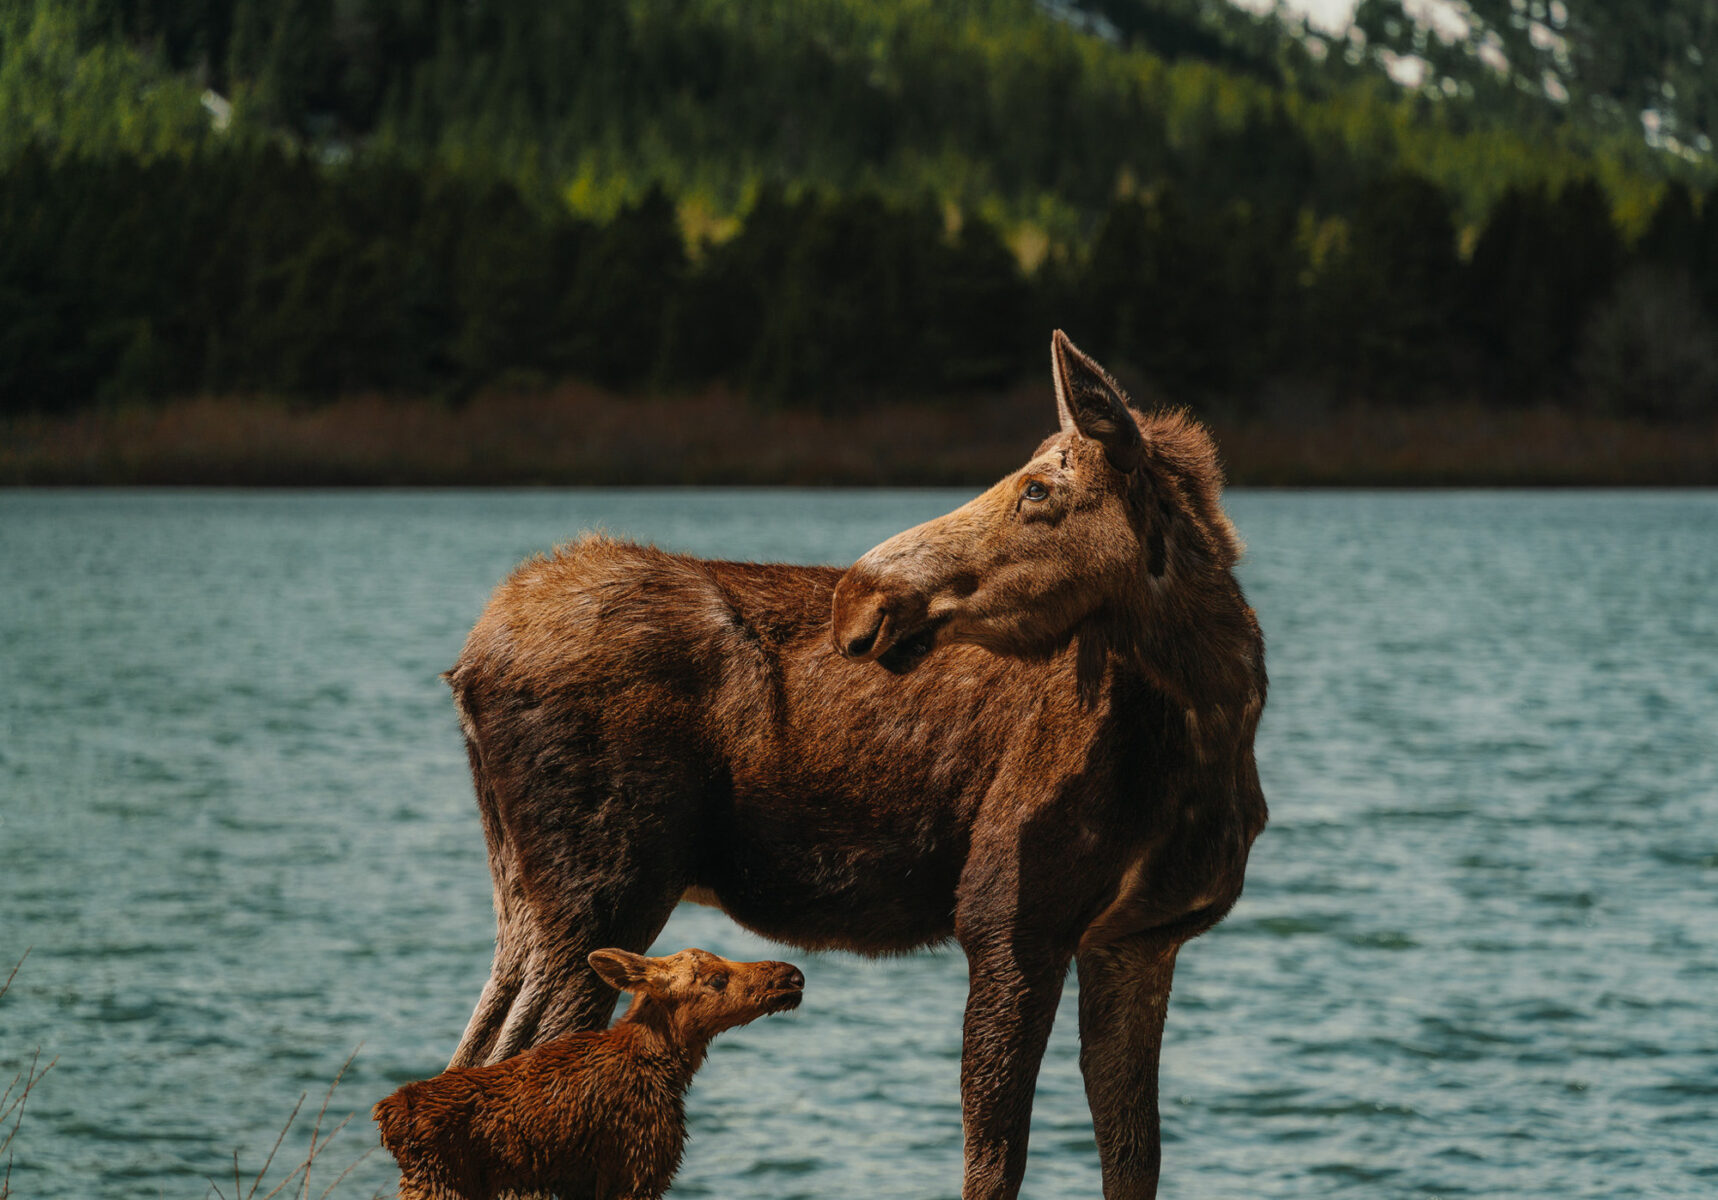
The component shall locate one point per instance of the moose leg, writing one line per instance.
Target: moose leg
(584, 859)
(1009, 1010)
(491, 1011)
(624, 912)
(1124, 997)
(540, 985)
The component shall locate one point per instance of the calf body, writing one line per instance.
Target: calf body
(595, 1115)
(1027, 725)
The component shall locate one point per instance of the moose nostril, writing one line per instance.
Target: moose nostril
(796, 978)
(861, 644)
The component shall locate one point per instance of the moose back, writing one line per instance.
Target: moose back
(1026, 725)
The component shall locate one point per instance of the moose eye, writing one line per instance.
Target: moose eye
(718, 983)
(1036, 491)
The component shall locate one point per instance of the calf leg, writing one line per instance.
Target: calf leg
(1124, 997)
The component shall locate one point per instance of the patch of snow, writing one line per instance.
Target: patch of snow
(1332, 17)
(1409, 70)
(1449, 21)
(1490, 52)
(219, 108)
(1543, 38)
(1086, 22)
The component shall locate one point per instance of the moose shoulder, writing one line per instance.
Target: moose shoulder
(1027, 725)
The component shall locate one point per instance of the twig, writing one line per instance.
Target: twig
(17, 1093)
(327, 1191)
(299, 1177)
(269, 1161)
(5, 987)
(316, 1128)
(316, 1148)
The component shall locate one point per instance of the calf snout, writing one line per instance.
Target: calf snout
(785, 986)
(784, 977)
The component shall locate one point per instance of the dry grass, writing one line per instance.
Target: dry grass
(568, 435)
(17, 1093)
(295, 1183)
(1470, 446)
(573, 435)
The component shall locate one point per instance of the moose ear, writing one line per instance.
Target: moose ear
(1091, 403)
(619, 969)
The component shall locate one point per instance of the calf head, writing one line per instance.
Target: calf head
(701, 993)
(1114, 528)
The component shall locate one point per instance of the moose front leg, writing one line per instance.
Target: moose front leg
(1124, 997)
(1010, 1007)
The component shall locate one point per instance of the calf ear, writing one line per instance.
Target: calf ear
(620, 969)
(1091, 403)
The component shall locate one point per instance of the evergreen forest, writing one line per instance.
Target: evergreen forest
(820, 204)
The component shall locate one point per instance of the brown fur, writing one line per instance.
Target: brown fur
(1027, 725)
(588, 1116)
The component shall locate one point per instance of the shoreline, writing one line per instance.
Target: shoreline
(573, 435)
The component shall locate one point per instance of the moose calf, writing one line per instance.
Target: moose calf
(589, 1116)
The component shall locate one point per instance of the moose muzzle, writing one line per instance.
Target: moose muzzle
(872, 622)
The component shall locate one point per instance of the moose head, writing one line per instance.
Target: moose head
(1113, 533)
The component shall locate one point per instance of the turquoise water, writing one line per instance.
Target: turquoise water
(1477, 956)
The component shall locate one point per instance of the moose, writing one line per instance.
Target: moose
(590, 1115)
(1026, 725)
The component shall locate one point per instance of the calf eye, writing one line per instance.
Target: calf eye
(718, 983)
(1036, 491)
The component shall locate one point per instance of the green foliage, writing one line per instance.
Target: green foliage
(1383, 309)
(1650, 351)
(1541, 264)
(1601, 63)
(990, 103)
(432, 196)
(65, 87)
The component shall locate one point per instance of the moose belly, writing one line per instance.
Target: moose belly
(827, 873)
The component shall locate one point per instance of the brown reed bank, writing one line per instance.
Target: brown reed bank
(577, 435)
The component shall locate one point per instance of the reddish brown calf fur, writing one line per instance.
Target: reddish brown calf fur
(1027, 725)
(587, 1116)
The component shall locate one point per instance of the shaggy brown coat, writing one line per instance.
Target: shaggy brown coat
(1027, 725)
(587, 1116)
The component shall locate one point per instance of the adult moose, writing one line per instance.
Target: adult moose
(1028, 727)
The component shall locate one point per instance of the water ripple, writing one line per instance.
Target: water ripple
(1476, 956)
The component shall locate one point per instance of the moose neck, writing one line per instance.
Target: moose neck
(1197, 643)
(665, 1037)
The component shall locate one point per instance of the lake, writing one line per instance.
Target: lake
(1477, 954)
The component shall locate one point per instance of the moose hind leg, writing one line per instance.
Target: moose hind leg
(595, 855)
(513, 932)
(563, 994)
(487, 1018)
(1124, 998)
